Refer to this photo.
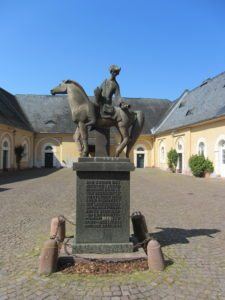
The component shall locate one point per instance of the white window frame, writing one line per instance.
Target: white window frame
(202, 140)
(25, 157)
(8, 148)
(162, 159)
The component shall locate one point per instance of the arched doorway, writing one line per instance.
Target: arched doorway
(180, 151)
(5, 154)
(222, 158)
(48, 156)
(140, 157)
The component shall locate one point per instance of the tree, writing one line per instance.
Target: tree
(19, 150)
(200, 165)
(172, 158)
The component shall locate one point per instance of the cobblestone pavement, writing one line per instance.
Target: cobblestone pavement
(187, 216)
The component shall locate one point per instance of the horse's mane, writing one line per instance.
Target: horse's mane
(76, 84)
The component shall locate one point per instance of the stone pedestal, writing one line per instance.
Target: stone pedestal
(103, 205)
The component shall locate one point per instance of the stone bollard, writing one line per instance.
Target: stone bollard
(48, 258)
(139, 226)
(155, 256)
(58, 228)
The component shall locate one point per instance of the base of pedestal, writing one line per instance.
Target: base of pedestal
(103, 248)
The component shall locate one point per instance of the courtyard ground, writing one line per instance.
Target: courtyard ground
(186, 214)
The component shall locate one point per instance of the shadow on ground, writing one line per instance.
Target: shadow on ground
(14, 176)
(170, 235)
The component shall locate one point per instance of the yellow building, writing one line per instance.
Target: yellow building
(14, 130)
(194, 123)
(49, 131)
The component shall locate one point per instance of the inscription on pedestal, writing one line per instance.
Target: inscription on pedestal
(103, 206)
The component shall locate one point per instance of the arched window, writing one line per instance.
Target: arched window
(25, 150)
(201, 149)
(162, 153)
(223, 152)
(5, 145)
(180, 145)
(5, 155)
(140, 149)
(48, 148)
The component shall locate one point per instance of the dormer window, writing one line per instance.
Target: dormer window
(205, 82)
(182, 104)
(190, 112)
(50, 122)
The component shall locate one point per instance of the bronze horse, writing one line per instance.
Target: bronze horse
(85, 113)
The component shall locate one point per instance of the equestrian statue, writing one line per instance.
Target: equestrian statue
(102, 113)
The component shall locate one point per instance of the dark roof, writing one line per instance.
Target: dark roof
(52, 113)
(47, 114)
(11, 113)
(154, 110)
(205, 102)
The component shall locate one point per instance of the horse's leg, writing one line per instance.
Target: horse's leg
(77, 138)
(125, 139)
(84, 138)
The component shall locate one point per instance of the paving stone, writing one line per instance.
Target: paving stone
(183, 223)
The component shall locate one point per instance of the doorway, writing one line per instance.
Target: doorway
(140, 157)
(5, 155)
(48, 160)
(179, 163)
(180, 152)
(140, 160)
(5, 160)
(48, 156)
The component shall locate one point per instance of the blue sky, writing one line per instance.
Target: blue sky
(163, 46)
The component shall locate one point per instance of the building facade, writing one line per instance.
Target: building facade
(193, 124)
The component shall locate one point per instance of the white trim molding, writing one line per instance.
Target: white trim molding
(217, 152)
(6, 138)
(26, 143)
(53, 142)
(162, 155)
(201, 140)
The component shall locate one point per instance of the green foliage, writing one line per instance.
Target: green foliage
(172, 158)
(19, 154)
(199, 165)
(209, 166)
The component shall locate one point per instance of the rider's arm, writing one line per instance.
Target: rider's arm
(118, 97)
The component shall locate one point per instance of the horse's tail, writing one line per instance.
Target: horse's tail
(135, 131)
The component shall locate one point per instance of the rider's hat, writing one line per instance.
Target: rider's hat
(114, 68)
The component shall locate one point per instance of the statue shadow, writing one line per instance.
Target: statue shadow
(25, 174)
(4, 189)
(172, 235)
(65, 262)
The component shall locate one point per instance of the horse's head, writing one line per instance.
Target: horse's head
(61, 88)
